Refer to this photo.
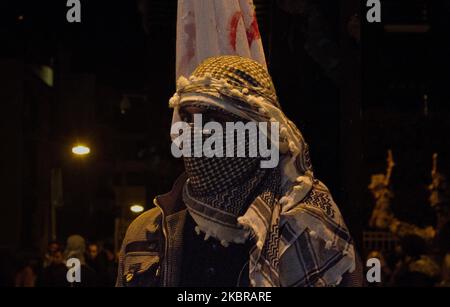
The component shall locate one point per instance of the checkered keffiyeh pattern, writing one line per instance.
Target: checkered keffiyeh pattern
(308, 246)
(241, 73)
(232, 202)
(301, 238)
(214, 175)
(320, 248)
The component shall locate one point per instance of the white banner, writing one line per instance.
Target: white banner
(207, 28)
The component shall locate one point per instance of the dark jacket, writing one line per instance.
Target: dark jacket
(151, 253)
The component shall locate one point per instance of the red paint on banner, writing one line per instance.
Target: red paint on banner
(189, 51)
(234, 23)
(253, 31)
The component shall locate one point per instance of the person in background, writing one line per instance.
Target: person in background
(416, 268)
(76, 248)
(52, 248)
(93, 251)
(54, 274)
(110, 265)
(27, 274)
(93, 259)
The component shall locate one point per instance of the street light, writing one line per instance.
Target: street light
(137, 208)
(81, 150)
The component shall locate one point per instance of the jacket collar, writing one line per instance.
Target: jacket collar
(172, 206)
(172, 202)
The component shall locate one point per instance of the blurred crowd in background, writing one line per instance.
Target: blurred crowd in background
(414, 262)
(98, 265)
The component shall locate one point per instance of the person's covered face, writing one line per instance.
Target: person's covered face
(207, 173)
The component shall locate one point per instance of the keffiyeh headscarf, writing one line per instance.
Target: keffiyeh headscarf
(300, 237)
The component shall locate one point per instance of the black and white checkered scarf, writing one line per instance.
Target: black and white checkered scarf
(300, 236)
(220, 189)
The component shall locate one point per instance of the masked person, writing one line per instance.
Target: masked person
(230, 222)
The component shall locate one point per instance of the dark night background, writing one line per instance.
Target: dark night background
(353, 98)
